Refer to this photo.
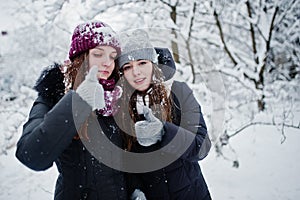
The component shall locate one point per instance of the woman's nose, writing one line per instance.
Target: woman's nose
(107, 61)
(136, 70)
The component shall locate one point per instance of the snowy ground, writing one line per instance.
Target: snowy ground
(268, 170)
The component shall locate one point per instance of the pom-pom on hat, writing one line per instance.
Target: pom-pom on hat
(136, 46)
(90, 35)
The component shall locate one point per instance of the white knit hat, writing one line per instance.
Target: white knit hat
(136, 46)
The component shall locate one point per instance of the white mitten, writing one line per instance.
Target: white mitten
(148, 131)
(91, 91)
(138, 195)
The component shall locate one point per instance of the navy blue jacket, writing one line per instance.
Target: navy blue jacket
(48, 137)
(182, 179)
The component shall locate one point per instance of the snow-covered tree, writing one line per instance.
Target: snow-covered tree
(240, 57)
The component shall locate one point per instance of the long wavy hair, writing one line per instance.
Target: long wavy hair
(159, 101)
(74, 75)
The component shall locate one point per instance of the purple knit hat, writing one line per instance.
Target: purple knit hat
(89, 35)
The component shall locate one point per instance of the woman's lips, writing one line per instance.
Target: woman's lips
(139, 81)
(104, 72)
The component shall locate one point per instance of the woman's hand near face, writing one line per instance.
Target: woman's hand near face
(91, 91)
(149, 131)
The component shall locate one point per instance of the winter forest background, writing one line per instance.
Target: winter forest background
(241, 57)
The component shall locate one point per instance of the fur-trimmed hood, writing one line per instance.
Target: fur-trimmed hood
(50, 84)
(166, 62)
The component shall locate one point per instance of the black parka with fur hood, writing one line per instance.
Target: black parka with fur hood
(185, 139)
(49, 136)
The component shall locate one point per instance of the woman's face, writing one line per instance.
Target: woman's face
(138, 74)
(104, 58)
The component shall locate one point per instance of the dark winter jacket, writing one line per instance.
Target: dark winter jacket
(49, 136)
(182, 179)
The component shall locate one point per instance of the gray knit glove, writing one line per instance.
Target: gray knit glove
(91, 91)
(138, 195)
(148, 131)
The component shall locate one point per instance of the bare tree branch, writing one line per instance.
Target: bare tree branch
(271, 29)
(168, 4)
(222, 37)
(188, 42)
(273, 123)
(252, 33)
(237, 79)
(260, 82)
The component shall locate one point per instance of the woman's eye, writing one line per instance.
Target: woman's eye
(113, 56)
(125, 68)
(97, 54)
(142, 63)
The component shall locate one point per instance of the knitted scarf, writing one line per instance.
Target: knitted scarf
(111, 96)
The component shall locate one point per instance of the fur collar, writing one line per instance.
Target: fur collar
(50, 84)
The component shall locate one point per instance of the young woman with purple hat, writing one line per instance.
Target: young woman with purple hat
(73, 98)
